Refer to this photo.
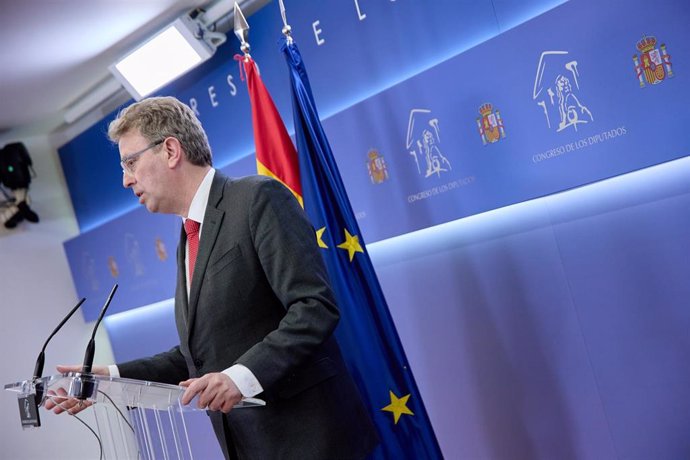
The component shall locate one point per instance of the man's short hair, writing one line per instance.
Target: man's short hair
(159, 117)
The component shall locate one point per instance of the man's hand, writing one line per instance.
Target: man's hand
(98, 370)
(58, 402)
(216, 391)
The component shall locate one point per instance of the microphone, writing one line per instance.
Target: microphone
(84, 384)
(28, 404)
(40, 361)
(91, 347)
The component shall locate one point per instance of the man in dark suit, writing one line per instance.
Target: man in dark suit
(253, 306)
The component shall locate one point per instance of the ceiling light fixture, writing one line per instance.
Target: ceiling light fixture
(172, 52)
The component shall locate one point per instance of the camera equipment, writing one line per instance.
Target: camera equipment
(15, 164)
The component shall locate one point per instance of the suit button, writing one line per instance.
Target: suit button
(198, 363)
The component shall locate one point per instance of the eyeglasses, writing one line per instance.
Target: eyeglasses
(128, 162)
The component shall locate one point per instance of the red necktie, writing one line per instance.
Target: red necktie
(191, 227)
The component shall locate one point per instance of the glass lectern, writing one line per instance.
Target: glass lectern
(135, 419)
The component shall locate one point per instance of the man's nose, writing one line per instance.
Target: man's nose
(127, 179)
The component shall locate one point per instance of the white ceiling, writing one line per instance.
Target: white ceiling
(55, 51)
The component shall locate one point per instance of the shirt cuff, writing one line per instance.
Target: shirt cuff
(245, 380)
(114, 371)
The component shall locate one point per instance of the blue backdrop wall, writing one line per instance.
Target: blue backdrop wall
(550, 327)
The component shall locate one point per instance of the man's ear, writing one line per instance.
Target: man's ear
(173, 152)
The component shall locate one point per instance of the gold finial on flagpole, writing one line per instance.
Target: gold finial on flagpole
(286, 27)
(242, 31)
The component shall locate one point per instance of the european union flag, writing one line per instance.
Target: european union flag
(366, 333)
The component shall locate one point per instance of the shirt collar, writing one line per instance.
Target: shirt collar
(198, 207)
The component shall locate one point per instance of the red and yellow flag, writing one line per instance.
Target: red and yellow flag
(276, 156)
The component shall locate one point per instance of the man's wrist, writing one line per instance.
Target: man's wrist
(244, 379)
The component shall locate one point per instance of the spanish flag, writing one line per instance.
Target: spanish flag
(276, 156)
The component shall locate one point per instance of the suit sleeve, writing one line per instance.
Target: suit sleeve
(286, 246)
(166, 367)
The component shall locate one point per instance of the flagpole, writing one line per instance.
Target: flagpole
(287, 30)
(241, 29)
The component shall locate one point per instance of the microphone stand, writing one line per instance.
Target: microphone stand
(83, 385)
(30, 403)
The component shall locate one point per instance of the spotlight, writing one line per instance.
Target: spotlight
(178, 48)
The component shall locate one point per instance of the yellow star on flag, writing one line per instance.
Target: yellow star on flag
(319, 236)
(398, 406)
(351, 244)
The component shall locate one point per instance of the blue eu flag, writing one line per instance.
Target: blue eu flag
(366, 333)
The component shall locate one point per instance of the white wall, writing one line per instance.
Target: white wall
(36, 291)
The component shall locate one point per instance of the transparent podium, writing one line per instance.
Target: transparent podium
(135, 419)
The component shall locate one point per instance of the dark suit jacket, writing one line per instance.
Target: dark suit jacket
(260, 297)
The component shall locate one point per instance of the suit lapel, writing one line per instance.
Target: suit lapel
(209, 233)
